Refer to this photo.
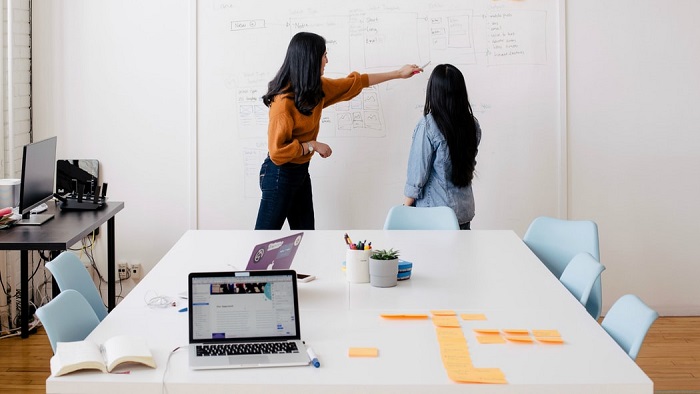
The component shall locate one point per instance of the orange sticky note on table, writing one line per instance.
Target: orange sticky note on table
(406, 316)
(443, 312)
(487, 331)
(519, 338)
(446, 321)
(490, 339)
(477, 375)
(546, 333)
(516, 331)
(446, 333)
(363, 352)
(473, 316)
(556, 340)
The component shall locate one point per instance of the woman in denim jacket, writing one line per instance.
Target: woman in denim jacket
(442, 159)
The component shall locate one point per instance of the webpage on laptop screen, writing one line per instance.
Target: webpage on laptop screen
(243, 307)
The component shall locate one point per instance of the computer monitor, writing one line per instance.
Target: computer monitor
(38, 171)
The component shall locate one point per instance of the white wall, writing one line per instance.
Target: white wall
(633, 130)
(112, 80)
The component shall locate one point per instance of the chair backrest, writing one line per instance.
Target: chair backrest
(628, 322)
(580, 275)
(70, 273)
(67, 318)
(402, 217)
(557, 241)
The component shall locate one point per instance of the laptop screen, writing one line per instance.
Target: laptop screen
(243, 306)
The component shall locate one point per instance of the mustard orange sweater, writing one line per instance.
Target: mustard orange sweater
(288, 128)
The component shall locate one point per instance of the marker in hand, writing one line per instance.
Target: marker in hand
(424, 66)
(312, 357)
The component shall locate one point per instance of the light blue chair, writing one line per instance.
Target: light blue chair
(67, 318)
(403, 217)
(556, 241)
(70, 273)
(580, 275)
(628, 322)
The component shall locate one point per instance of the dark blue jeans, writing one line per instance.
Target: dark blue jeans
(286, 194)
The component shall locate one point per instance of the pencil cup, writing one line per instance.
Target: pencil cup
(357, 265)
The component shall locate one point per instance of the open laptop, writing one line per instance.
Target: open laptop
(244, 319)
(275, 255)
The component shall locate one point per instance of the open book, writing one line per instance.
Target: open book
(74, 356)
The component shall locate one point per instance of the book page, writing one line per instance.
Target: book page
(73, 356)
(125, 348)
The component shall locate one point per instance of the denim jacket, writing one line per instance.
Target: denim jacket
(429, 172)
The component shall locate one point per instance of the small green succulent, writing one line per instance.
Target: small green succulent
(383, 254)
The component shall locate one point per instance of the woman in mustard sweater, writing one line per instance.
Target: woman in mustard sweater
(296, 97)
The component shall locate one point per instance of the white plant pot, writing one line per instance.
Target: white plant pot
(383, 273)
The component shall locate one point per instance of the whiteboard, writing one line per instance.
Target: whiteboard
(511, 53)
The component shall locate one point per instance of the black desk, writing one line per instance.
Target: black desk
(60, 233)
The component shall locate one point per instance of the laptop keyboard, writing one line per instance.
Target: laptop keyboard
(246, 348)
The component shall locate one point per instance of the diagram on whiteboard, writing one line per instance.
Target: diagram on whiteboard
(509, 52)
(371, 41)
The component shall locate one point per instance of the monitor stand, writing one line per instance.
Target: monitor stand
(36, 219)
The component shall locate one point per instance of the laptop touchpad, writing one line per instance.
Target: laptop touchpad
(251, 359)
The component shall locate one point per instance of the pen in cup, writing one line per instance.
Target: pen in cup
(312, 357)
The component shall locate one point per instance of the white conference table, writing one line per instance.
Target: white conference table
(489, 272)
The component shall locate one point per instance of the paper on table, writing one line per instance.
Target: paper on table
(446, 333)
(443, 312)
(457, 361)
(490, 339)
(546, 333)
(488, 331)
(550, 339)
(473, 316)
(516, 331)
(406, 316)
(446, 321)
(363, 352)
(478, 375)
(519, 338)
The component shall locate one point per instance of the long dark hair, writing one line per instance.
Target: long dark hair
(300, 73)
(446, 98)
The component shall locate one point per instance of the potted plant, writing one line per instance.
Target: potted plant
(383, 267)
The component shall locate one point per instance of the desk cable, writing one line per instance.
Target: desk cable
(155, 300)
(167, 364)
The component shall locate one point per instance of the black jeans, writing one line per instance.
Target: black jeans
(286, 194)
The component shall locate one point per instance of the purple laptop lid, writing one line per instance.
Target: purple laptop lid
(275, 255)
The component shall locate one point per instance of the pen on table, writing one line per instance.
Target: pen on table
(183, 309)
(312, 357)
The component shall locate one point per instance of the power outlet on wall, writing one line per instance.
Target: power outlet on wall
(123, 270)
(135, 270)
